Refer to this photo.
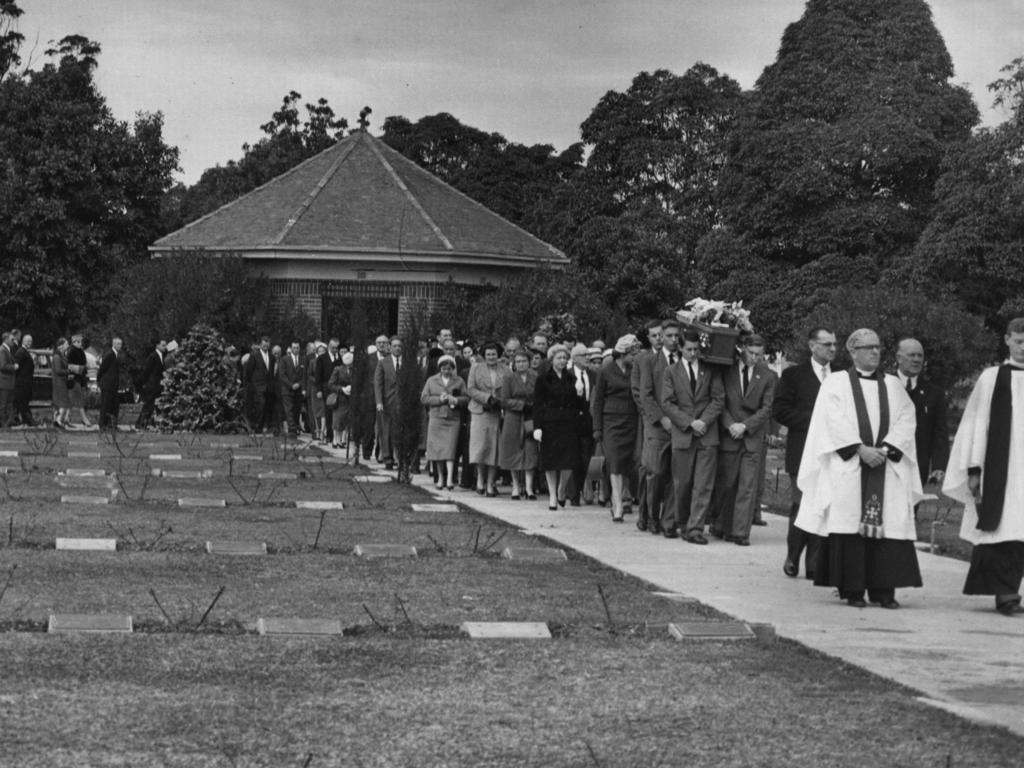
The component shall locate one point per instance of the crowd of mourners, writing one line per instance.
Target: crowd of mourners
(646, 426)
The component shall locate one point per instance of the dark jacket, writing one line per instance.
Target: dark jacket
(932, 437)
(794, 402)
(151, 381)
(108, 377)
(555, 400)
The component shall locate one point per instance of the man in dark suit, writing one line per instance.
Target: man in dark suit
(692, 398)
(108, 377)
(385, 393)
(580, 370)
(656, 456)
(258, 380)
(291, 382)
(8, 369)
(932, 436)
(749, 391)
(23, 381)
(644, 361)
(792, 408)
(151, 383)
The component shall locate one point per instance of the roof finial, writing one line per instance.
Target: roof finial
(363, 122)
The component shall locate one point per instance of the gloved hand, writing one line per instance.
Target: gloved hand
(537, 434)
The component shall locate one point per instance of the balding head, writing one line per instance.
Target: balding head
(910, 357)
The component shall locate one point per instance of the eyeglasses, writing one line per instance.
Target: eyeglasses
(825, 343)
(869, 347)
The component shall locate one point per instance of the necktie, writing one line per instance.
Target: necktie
(672, 358)
(824, 372)
(693, 379)
(910, 385)
(746, 378)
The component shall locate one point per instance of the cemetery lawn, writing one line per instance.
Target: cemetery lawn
(403, 686)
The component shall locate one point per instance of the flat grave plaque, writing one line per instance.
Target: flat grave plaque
(87, 545)
(236, 548)
(187, 474)
(89, 622)
(196, 501)
(435, 507)
(225, 445)
(534, 554)
(9, 454)
(372, 479)
(319, 505)
(711, 630)
(322, 459)
(84, 455)
(247, 457)
(165, 457)
(277, 476)
(86, 473)
(384, 550)
(292, 627)
(84, 500)
(507, 630)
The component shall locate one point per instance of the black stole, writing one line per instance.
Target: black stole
(872, 479)
(997, 452)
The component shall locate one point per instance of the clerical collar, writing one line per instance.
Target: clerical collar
(1018, 366)
(866, 375)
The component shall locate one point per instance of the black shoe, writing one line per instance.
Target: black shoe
(531, 497)
(514, 497)
(790, 569)
(759, 521)
(389, 465)
(670, 533)
(856, 602)
(655, 527)
(740, 541)
(891, 604)
(617, 519)
(695, 538)
(719, 534)
(561, 502)
(641, 525)
(1010, 608)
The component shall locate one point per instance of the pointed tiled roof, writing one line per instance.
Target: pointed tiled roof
(359, 196)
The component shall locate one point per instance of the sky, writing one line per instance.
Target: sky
(531, 70)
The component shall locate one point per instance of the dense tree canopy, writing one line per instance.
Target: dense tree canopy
(80, 192)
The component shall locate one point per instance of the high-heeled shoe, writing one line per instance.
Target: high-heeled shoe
(561, 502)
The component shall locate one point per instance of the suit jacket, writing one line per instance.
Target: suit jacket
(932, 437)
(108, 377)
(26, 368)
(324, 368)
(612, 394)
(257, 375)
(794, 402)
(753, 408)
(290, 374)
(6, 367)
(650, 378)
(152, 374)
(683, 408)
(385, 384)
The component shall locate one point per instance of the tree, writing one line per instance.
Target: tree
(646, 196)
(201, 390)
(973, 247)
(832, 167)
(80, 192)
(10, 38)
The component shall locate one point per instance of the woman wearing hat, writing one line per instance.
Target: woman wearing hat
(78, 379)
(340, 385)
(615, 418)
(483, 384)
(517, 450)
(559, 403)
(444, 394)
(59, 371)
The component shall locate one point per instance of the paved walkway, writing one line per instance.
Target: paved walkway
(957, 651)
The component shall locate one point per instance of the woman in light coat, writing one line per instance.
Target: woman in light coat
(517, 450)
(444, 394)
(483, 384)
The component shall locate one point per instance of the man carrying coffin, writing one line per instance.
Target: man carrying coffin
(986, 473)
(860, 480)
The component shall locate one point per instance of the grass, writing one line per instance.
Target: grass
(403, 686)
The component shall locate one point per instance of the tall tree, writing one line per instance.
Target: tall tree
(80, 191)
(832, 167)
(973, 247)
(10, 38)
(646, 196)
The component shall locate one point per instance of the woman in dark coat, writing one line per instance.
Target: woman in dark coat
(59, 372)
(517, 450)
(340, 385)
(78, 379)
(615, 418)
(557, 411)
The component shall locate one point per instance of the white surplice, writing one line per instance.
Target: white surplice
(831, 487)
(969, 451)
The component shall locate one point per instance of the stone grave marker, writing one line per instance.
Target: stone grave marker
(535, 554)
(89, 622)
(711, 630)
(236, 548)
(372, 479)
(277, 476)
(9, 454)
(319, 505)
(225, 445)
(198, 501)
(165, 457)
(300, 627)
(435, 507)
(507, 630)
(384, 550)
(70, 499)
(187, 474)
(85, 473)
(247, 457)
(84, 455)
(86, 545)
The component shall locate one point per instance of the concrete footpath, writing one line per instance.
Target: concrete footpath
(956, 650)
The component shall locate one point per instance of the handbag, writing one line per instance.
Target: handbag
(332, 399)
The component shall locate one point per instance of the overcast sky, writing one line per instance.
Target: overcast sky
(531, 70)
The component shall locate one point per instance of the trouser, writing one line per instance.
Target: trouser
(797, 539)
(657, 462)
(291, 404)
(735, 492)
(6, 407)
(109, 408)
(146, 413)
(693, 479)
(22, 397)
(584, 451)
